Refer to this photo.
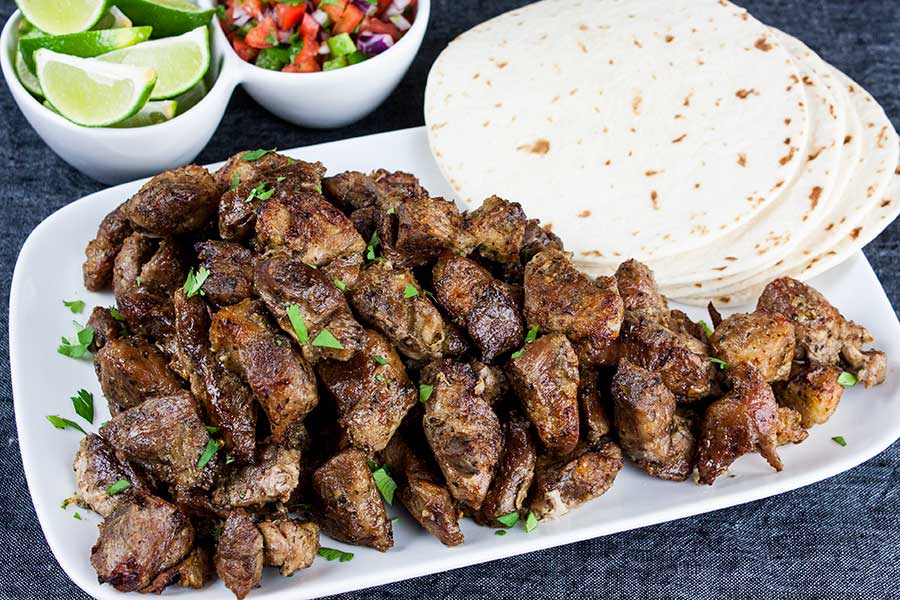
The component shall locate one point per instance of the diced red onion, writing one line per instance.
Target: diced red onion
(401, 23)
(324, 49)
(284, 37)
(364, 6)
(396, 8)
(239, 16)
(373, 43)
(320, 17)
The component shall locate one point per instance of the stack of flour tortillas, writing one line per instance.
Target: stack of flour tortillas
(685, 133)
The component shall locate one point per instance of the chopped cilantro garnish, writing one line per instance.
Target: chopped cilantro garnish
(410, 291)
(326, 339)
(529, 337)
(706, 328)
(509, 519)
(76, 306)
(531, 522)
(77, 347)
(77, 516)
(716, 361)
(211, 448)
(280, 178)
(839, 440)
(212, 429)
(260, 192)
(334, 553)
(500, 532)
(847, 379)
(379, 377)
(83, 401)
(297, 322)
(385, 484)
(340, 285)
(115, 314)
(257, 154)
(229, 459)
(118, 487)
(61, 423)
(379, 359)
(235, 180)
(372, 246)
(319, 187)
(425, 391)
(390, 211)
(193, 285)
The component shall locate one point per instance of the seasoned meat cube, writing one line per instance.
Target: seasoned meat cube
(640, 294)
(681, 360)
(351, 509)
(428, 226)
(650, 432)
(486, 307)
(239, 554)
(537, 239)
(194, 572)
(272, 478)
(237, 217)
(350, 191)
(498, 227)
(130, 371)
(102, 250)
(870, 366)
(238, 169)
(514, 473)
(105, 326)
(289, 544)
(561, 299)
(142, 538)
(284, 281)
(166, 438)
(372, 392)
(423, 493)
(545, 377)
(766, 340)
(462, 430)
(396, 187)
(492, 382)
(281, 379)
(97, 468)
(682, 324)
(561, 484)
(230, 267)
(789, 429)
(366, 221)
(412, 324)
(813, 391)
(595, 422)
(174, 202)
(744, 420)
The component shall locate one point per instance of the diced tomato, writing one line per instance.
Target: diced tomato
(292, 68)
(261, 35)
(308, 65)
(382, 6)
(309, 28)
(254, 8)
(350, 18)
(309, 51)
(287, 16)
(332, 8)
(379, 26)
(243, 50)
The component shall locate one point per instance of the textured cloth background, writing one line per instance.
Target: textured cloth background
(836, 539)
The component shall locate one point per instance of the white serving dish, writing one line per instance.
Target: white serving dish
(49, 270)
(320, 100)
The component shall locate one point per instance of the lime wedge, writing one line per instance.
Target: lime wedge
(27, 77)
(151, 114)
(167, 17)
(85, 44)
(180, 61)
(113, 19)
(191, 97)
(92, 92)
(63, 16)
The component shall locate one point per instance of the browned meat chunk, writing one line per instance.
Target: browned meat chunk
(396, 187)
(238, 169)
(537, 239)
(765, 340)
(141, 539)
(272, 478)
(166, 438)
(130, 371)
(423, 493)
(682, 324)
(561, 484)
(462, 430)
(561, 299)
(239, 554)
(427, 227)
(870, 366)
(813, 391)
(640, 294)
(102, 250)
(413, 324)
(595, 420)
(97, 468)
(744, 420)
(230, 267)
(492, 382)
(545, 377)
(289, 544)
(174, 202)
(372, 392)
(281, 379)
(789, 429)
(650, 432)
(105, 326)
(509, 488)
(350, 508)
(498, 227)
(486, 307)
(283, 282)
(350, 191)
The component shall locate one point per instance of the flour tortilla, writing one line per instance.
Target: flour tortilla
(620, 123)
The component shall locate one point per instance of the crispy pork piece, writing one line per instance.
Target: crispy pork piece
(681, 360)
(422, 492)
(640, 294)
(272, 478)
(537, 239)
(100, 254)
(237, 217)
(97, 468)
(174, 202)
(230, 267)
(492, 382)
(289, 544)
(281, 379)
(105, 326)
(412, 324)
(813, 391)
(426, 227)
(561, 484)
(367, 221)
(350, 508)
(193, 572)
(595, 420)
(744, 420)
(285, 281)
(237, 169)
(515, 471)
(498, 227)
(682, 324)
(650, 432)
(824, 336)
(561, 299)
(545, 378)
(485, 306)
(789, 429)
(351, 191)
(396, 187)
(132, 370)
(166, 438)
(766, 340)
(144, 537)
(239, 554)
(372, 392)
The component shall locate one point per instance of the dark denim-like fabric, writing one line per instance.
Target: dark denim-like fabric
(837, 539)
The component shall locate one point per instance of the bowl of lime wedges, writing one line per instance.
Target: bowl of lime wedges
(119, 91)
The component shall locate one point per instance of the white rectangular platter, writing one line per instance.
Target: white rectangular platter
(49, 271)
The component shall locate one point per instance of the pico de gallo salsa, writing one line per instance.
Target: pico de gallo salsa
(303, 36)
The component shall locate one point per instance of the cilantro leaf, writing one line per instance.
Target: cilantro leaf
(118, 487)
(76, 306)
(257, 154)
(334, 553)
(847, 379)
(379, 359)
(340, 285)
(297, 322)
(212, 429)
(372, 246)
(425, 392)
(839, 440)
(77, 347)
(529, 337)
(83, 402)
(390, 211)
(260, 192)
(716, 361)
(500, 532)
(706, 328)
(61, 423)
(326, 339)
(509, 519)
(385, 484)
(115, 314)
(211, 448)
(410, 291)
(193, 285)
(77, 516)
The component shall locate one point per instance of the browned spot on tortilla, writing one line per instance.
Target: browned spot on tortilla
(787, 157)
(882, 137)
(742, 159)
(815, 153)
(540, 146)
(679, 138)
(787, 121)
(848, 139)
(885, 203)
(831, 111)
(698, 285)
(814, 197)
(787, 141)
(762, 44)
(830, 227)
(678, 116)
(498, 105)
(795, 79)
(573, 92)
(654, 199)
(583, 27)
(476, 76)
(696, 186)
(582, 47)
(437, 126)
(778, 184)
(807, 80)
(897, 171)
(502, 64)
(651, 173)
(555, 99)
(851, 89)
(870, 191)
(636, 105)
(731, 258)
(636, 43)
(742, 94)
(722, 268)
(592, 253)
(855, 233)
(687, 99)
(584, 214)
(669, 39)
(725, 299)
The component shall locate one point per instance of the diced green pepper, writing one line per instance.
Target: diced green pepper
(341, 45)
(273, 58)
(338, 62)
(356, 57)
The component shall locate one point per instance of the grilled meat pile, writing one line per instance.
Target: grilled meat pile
(289, 350)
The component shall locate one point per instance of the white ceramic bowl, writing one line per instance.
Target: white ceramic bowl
(321, 100)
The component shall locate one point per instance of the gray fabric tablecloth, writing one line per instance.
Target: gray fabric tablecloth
(836, 539)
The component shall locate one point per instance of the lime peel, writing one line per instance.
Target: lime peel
(78, 15)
